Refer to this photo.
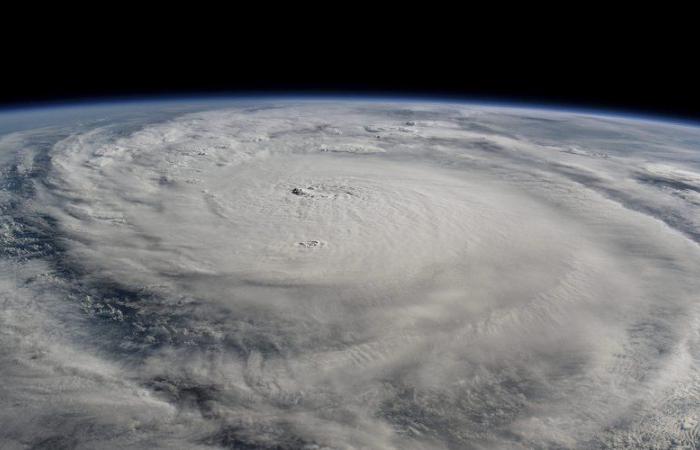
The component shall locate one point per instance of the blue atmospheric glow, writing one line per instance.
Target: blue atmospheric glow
(209, 100)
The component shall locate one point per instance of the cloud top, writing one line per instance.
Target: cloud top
(350, 275)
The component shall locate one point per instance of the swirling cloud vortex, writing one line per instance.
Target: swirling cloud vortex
(350, 275)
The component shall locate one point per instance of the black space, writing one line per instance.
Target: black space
(560, 67)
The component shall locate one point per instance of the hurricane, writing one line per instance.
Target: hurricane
(347, 274)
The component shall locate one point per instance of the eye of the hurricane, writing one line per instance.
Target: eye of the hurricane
(384, 222)
(363, 219)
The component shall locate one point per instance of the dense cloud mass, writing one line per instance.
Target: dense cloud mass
(348, 275)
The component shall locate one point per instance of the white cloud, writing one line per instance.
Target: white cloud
(476, 282)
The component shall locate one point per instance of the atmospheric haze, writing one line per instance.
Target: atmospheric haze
(335, 274)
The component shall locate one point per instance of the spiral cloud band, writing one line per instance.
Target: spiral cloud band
(349, 275)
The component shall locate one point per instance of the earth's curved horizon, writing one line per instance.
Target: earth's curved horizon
(333, 273)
